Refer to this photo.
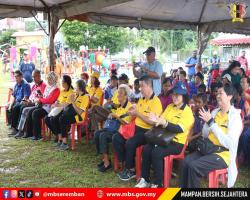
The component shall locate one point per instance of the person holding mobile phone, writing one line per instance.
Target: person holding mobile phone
(37, 91)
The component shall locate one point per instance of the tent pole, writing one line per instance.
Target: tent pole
(53, 24)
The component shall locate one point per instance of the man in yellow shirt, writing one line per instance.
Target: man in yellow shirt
(150, 103)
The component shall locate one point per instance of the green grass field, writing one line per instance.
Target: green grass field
(24, 163)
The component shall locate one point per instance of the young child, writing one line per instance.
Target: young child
(212, 97)
(200, 101)
(136, 93)
(183, 79)
(165, 96)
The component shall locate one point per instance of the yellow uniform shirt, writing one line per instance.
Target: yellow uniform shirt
(222, 122)
(64, 96)
(179, 116)
(87, 88)
(96, 92)
(144, 106)
(114, 99)
(121, 110)
(82, 102)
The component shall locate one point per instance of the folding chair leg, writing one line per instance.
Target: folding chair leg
(168, 166)
(87, 134)
(138, 162)
(79, 134)
(73, 137)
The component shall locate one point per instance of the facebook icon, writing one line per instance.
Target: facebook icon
(6, 194)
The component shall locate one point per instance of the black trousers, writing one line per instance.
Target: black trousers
(154, 155)
(102, 139)
(53, 123)
(65, 120)
(119, 146)
(29, 122)
(15, 112)
(37, 115)
(196, 165)
(131, 144)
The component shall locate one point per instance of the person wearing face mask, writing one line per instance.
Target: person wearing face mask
(151, 68)
(222, 129)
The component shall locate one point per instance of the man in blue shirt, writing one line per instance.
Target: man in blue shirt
(151, 68)
(27, 67)
(20, 94)
(190, 63)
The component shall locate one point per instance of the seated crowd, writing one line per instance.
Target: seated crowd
(189, 110)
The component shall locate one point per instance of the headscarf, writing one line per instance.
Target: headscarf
(53, 77)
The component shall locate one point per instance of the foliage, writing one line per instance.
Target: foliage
(5, 37)
(93, 35)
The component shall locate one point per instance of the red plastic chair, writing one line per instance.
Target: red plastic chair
(79, 134)
(218, 175)
(215, 176)
(168, 161)
(138, 158)
(6, 106)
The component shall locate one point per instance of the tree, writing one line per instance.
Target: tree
(5, 37)
(94, 35)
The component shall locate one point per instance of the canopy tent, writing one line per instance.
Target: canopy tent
(206, 16)
(237, 41)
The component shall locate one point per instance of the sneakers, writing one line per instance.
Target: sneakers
(64, 147)
(126, 175)
(13, 133)
(19, 135)
(156, 186)
(142, 184)
(104, 169)
(100, 164)
(58, 144)
(36, 138)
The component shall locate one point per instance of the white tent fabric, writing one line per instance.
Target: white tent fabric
(162, 14)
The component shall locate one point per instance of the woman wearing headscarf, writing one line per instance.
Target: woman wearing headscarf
(43, 106)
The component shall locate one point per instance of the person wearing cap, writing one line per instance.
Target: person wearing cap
(104, 136)
(226, 79)
(27, 67)
(194, 85)
(95, 91)
(151, 68)
(233, 70)
(150, 103)
(190, 64)
(223, 127)
(177, 118)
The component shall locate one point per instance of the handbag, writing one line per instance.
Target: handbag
(55, 111)
(205, 146)
(112, 125)
(159, 136)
